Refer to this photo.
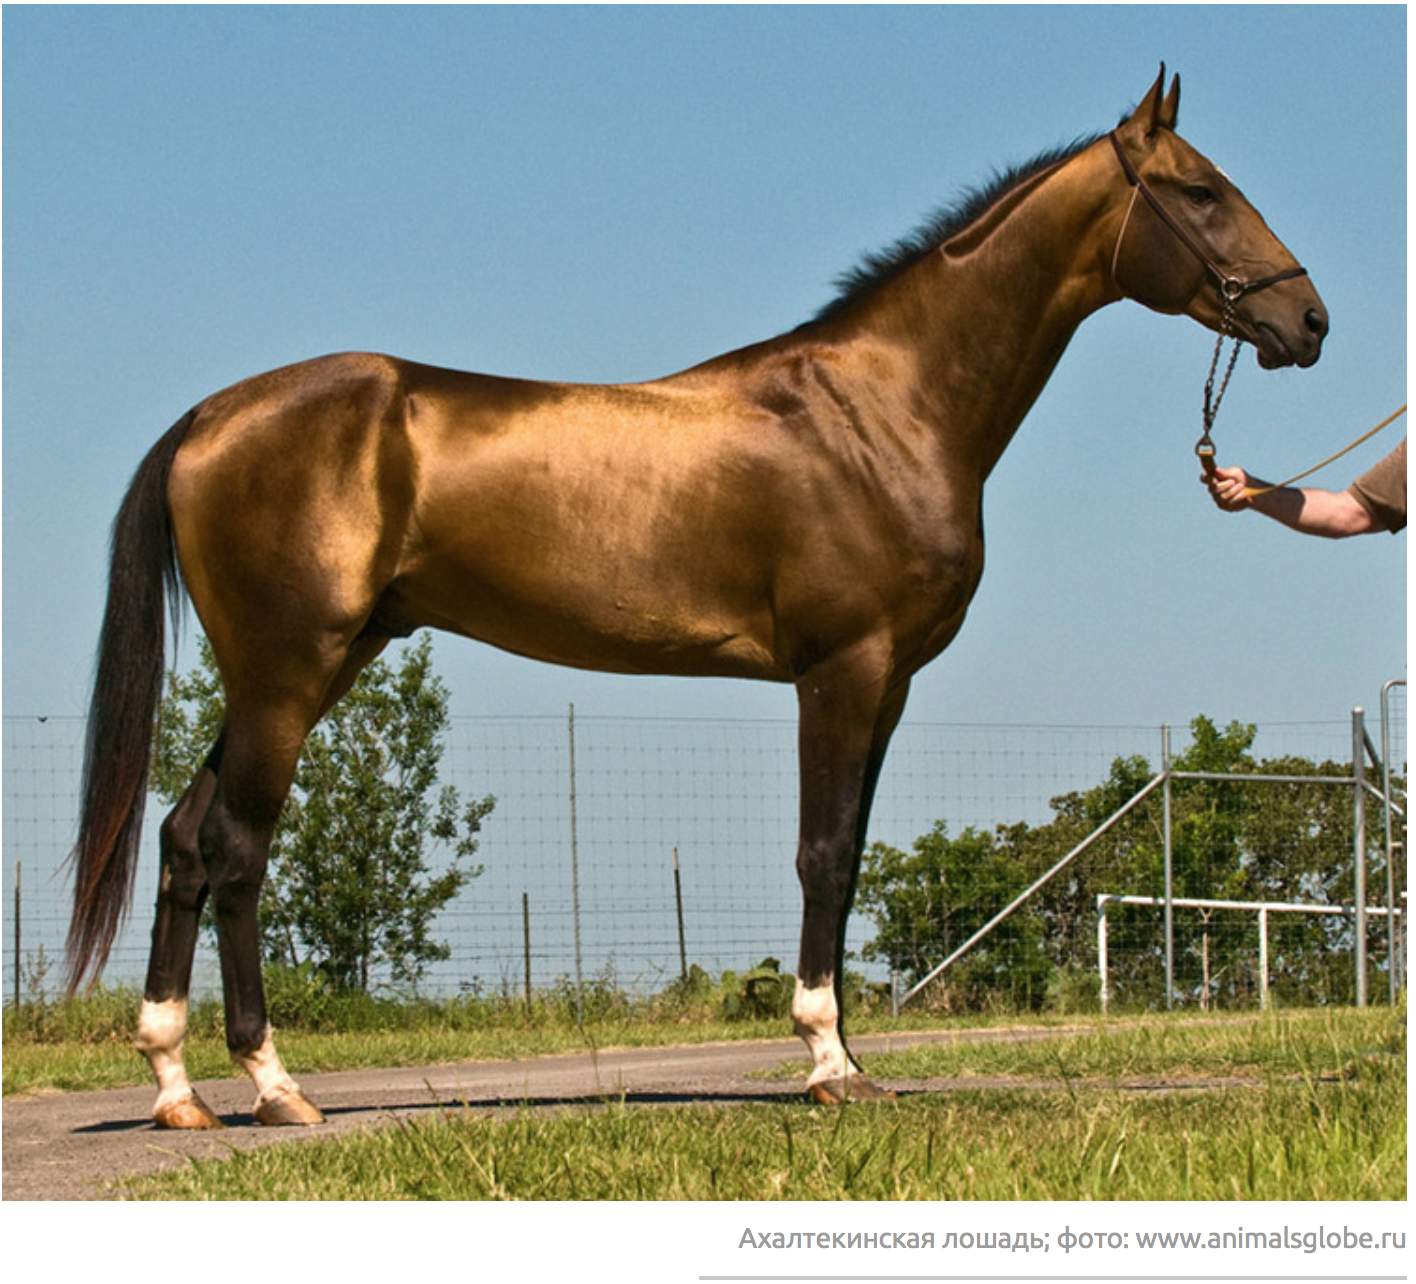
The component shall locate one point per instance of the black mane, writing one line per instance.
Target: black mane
(884, 265)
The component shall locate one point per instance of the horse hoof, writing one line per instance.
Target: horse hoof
(188, 1112)
(836, 1092)
(288, 1109)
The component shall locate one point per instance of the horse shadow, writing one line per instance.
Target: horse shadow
(465, 1107)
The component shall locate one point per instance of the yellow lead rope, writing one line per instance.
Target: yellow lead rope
(1264, 490)
(1207, 458)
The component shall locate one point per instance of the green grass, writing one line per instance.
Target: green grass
(1159, 1049)
(1321, 1117)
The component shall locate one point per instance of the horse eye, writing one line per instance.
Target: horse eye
(1198, 194)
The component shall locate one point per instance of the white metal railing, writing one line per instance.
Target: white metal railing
(1262, 908)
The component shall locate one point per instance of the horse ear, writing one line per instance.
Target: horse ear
(1155, 112)
(1170, 108)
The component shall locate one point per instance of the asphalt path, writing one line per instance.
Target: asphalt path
(76, 1146)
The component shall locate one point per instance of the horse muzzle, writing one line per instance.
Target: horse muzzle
(1285, 331)
(1295, 345)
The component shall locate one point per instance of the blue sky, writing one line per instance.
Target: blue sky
(195, 194)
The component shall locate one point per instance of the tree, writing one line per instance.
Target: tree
(929, 901)
(351, 888)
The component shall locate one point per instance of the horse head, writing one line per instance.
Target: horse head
(1189, 242)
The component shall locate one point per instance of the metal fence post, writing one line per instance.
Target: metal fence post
(1102, 967)
(575, 877)
(1263, 961)
(1395, 961)
(17, 934)
(1263, 908)
(678, 905)
(526, 944)
(1359, 856)
(1169, 870)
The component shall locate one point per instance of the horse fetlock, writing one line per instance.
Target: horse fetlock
(815, 1018)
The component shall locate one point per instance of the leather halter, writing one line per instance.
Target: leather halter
(1231, 288)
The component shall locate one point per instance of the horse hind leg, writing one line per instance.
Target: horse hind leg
(256, 772)
(182, 891)
(257, 768)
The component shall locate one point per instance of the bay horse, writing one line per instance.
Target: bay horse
(804, 510)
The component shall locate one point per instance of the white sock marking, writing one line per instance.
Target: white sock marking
(266, 1070)
(814, 1017)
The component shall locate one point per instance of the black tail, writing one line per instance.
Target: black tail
(143, 583)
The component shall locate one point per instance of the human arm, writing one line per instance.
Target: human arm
(1326, 513)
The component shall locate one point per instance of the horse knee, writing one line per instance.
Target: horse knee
(826, 870)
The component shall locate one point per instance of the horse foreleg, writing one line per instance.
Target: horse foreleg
(235, 842)
(847, 718)
(181, 893)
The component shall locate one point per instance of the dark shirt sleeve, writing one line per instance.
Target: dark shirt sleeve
(1381, 490)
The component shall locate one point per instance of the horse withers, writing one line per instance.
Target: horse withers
(804, 510)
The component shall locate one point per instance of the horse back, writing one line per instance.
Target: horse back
(734, 520)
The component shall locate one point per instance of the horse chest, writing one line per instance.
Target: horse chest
(934, 583)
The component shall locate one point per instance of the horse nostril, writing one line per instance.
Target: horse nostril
(1317, 322)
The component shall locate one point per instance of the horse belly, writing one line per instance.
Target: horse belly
(567, 622)
(610, 590)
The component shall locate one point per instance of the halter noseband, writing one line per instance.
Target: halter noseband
(1231, 288)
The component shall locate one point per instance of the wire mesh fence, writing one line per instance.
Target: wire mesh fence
(722, 794)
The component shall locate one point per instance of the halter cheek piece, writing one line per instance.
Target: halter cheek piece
(1231, 290)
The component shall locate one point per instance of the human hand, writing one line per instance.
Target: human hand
(1228, 488)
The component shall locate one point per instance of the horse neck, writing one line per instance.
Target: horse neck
(986, 317)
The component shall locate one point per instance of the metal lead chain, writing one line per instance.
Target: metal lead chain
(1204, 448)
